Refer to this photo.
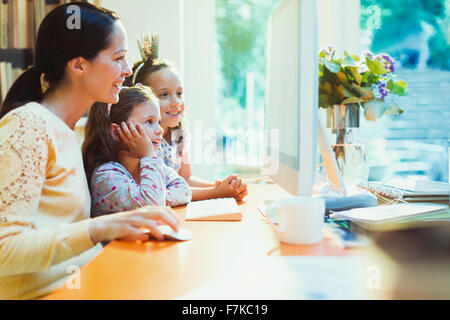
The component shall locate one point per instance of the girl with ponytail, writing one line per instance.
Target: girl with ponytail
(120, 158)
(44, 196)
(163, 78)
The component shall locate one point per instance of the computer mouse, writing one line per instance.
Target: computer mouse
(182, 234)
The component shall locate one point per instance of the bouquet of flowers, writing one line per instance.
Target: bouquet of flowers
(367, 79)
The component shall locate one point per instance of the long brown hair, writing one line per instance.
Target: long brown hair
(99, 146)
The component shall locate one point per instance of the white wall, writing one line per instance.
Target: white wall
(339, 25)
(200, 89)
(148, 16)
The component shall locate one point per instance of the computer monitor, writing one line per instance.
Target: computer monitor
(292, 93)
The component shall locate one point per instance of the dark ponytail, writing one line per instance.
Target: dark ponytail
(57, 44)
(27, 87)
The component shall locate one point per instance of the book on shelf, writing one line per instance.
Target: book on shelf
(20, 20)
(4, 18)
(17, 24)
(8, 74)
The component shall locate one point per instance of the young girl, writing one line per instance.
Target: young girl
(165, 81)
(120, 156)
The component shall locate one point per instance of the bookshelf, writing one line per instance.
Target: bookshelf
(19, 22)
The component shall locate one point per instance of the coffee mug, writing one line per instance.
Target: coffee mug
(300, 219)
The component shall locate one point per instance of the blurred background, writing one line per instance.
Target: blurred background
(219, 47)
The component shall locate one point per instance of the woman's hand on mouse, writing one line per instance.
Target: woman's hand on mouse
(128, 224)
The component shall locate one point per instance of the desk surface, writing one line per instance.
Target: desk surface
(245, 251)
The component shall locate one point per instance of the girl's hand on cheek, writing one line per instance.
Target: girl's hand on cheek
(136, 139)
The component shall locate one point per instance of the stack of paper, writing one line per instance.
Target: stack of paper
(388, 217)
(422, 191)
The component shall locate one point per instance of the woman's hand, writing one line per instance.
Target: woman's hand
(128, 224)
(232, 186)
(136, 139)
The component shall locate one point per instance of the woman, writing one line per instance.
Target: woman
(44, 197)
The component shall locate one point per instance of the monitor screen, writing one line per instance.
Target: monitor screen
(292, 93)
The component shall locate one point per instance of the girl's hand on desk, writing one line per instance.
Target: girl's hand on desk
(127, 224)
(242, 192)
(241, 189)
(232, 186)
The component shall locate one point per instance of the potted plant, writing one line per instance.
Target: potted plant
(347, 86)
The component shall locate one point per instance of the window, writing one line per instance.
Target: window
(241, 41)
(417, 34)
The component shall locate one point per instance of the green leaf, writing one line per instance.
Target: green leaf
(362, 92)
(348, 59)
(352, 100)
(375, 66)
(365, 76)
(374, 109)
(332, 66)
(356, 75)
(323, 100)
(401, 84)
(347, 92)
(399, 88)
(355, 57)
(326, 87)
(342, 77)
(389, 85)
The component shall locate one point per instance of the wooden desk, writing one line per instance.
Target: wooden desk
(229, 252)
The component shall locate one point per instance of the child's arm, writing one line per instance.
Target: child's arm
(113, 188)
(178, 191)
(232, 186)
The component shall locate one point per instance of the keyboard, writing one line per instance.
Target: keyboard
(383, 190)
(406, 194)
(222, 209)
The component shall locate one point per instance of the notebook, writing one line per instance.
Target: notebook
(387, 217)
(222, 209)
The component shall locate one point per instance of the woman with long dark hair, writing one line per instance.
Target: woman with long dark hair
(45, 228)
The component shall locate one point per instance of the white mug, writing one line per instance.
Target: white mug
(300, 219)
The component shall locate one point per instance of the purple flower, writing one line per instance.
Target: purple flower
(382, 89)
(367, 54)
(329, 51)
(387, 60)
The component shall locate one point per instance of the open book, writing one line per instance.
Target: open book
(213, 209)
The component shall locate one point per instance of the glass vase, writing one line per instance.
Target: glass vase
(343, 127)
